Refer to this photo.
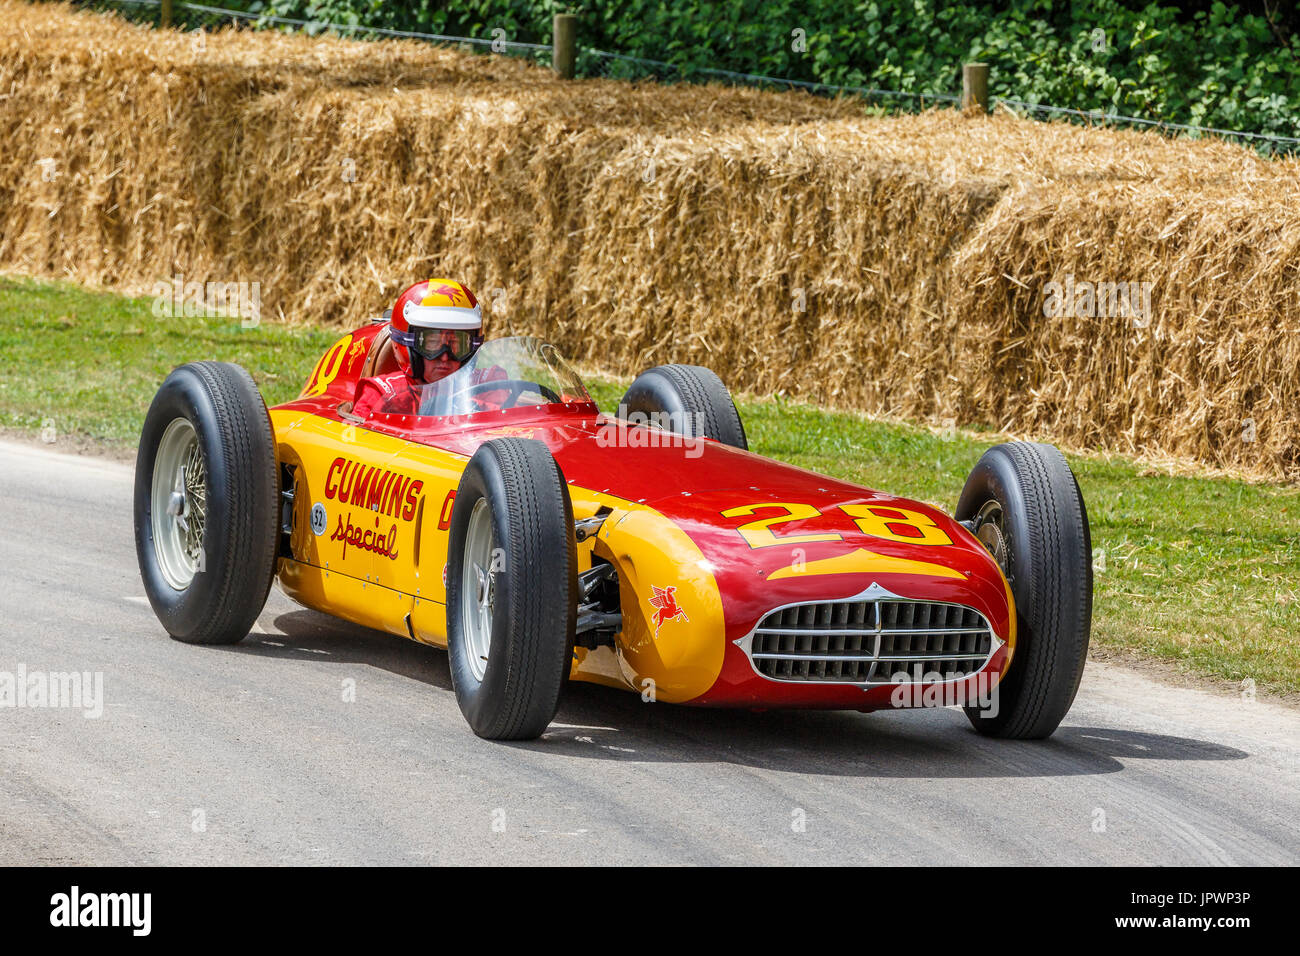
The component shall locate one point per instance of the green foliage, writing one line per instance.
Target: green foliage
(1218, 65)
(1202, 62)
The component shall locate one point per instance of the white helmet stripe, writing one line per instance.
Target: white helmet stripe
(442, 316)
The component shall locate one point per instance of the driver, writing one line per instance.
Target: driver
(436, 326)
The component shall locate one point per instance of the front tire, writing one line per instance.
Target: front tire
(206, 503)
(1024, 504)
(511, 589)
(687, 399)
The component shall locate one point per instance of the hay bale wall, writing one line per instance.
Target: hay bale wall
(897, 266)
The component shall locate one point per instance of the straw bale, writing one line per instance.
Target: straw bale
(898, 266)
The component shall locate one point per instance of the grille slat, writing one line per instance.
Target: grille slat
(861, 642)
(868, 630)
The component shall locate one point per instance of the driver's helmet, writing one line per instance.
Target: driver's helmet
(436, 325)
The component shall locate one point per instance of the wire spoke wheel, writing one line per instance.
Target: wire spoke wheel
(179, 504)
(990, 529)
(479, 587)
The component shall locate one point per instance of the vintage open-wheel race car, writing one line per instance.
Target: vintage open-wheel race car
(539, 541)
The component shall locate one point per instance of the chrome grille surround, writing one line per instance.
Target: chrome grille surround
(869, 639)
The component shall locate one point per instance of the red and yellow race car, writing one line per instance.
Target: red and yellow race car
(540, 541)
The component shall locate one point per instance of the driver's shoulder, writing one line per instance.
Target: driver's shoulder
(388, 382)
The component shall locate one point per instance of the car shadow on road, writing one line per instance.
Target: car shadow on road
(601, 723)
(604, 724)
(312, 636)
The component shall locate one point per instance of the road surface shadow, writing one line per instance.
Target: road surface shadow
(601, 723)
(313, 636)
(604, 724)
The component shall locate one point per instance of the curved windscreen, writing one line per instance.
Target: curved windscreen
(504, 373)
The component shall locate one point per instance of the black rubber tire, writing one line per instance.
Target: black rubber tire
(536, 588)
(1049, 567)
(696, 402)
(234, 433)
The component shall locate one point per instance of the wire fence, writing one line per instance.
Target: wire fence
(602, 63)
(1283, 144)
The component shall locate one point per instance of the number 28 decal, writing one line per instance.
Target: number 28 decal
(878, 521)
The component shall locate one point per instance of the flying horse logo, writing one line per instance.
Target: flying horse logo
(358, 349)
(455, 293)
(664, 601)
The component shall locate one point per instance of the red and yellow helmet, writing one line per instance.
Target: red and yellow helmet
(432, 318)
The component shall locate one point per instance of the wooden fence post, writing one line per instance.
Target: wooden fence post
(565, 38)
(975, 86)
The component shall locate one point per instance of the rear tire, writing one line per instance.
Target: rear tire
(1023, 502)
(511, 589)
(687, 399)
(207, 503)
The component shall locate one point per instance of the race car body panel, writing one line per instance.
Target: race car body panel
(718, 551)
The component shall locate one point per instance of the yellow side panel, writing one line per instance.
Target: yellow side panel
(360, 602)
(351, 556)
(377, 560)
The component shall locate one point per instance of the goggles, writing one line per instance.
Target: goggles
(432, 344)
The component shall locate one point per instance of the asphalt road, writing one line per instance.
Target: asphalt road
(252, 754)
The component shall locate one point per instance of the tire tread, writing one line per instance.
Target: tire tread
(702, 393)
(226, 596)
(1054, 602)
(541, 568)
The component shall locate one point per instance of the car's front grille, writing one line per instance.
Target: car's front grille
(858, 642)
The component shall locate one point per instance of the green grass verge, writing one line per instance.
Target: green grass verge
(89, 362)
(1202, 572)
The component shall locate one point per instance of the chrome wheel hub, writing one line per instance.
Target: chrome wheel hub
(180, 504)
(478, 581)
(989, 530)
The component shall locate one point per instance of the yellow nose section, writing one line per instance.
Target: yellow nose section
(673, 634)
